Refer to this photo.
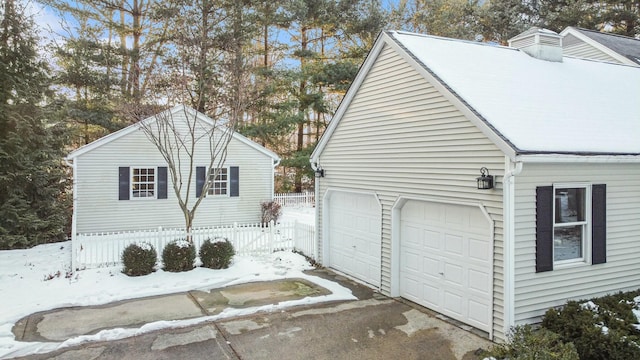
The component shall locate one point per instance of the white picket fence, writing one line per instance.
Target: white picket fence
(306, 199)
(105, 249)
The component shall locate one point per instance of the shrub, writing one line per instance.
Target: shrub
(524, 343)
(271, 211)
(178, 255)
(600, 329)
(216, 254)
(139, 259)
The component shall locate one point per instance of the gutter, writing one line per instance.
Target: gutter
(508, 183)
(569, 158)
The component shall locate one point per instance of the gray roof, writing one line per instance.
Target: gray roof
(623, 45)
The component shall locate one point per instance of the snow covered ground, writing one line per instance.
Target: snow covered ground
(38, 279)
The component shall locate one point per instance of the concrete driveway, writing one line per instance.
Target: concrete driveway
(372, 327)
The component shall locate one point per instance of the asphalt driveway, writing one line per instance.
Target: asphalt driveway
(372, 327)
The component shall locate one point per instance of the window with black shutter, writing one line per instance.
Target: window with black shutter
(568, 217)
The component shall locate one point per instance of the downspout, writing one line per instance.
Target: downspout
(276, 162)
(74, 225)
(316, 193)
(514, 169)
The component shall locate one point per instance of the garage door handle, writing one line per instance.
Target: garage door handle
(441, 273)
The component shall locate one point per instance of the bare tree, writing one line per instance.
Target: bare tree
(179, 134)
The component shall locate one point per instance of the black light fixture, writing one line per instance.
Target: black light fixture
(319, 171)
(485, 181)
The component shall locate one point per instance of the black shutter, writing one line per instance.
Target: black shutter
(201, 173)
(162, 182)
(599, 224)
(234, 181)
(544, 228)
(123, 183)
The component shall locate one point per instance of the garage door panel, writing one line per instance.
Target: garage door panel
(479, 281)
(454, 245)
(477, 312)
(453, 304)
(454, 274)
(479, 249)
(431, 267)
(453, 216)
(432, 240)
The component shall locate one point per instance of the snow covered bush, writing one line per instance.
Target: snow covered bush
(216, 254)
(139, 259)
(525, 343)
(603, 328)
(271, 211)
(178, 256)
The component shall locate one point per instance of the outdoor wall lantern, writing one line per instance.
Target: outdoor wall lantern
(319, 171)
(485, 181)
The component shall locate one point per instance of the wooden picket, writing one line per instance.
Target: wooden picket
(93, 250)
(306, 199)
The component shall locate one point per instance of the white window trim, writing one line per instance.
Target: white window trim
(227, 188)
(155, 183)
(586, 238)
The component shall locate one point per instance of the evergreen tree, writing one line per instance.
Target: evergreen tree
(33, 209)
(500, 20)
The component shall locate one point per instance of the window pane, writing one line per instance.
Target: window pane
(567, 242)
(570, 205)
(218, 182)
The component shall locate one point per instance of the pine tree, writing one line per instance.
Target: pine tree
(33, 209)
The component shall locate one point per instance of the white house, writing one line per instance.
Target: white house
(400, 205)
(601, 46)
(121, 181)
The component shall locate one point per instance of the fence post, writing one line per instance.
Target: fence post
(272, 226)
(234, 234)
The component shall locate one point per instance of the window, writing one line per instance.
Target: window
(218, 182)
(227, 182)
(143, 182)
(570, 224)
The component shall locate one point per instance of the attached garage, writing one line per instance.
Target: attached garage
(445, 260)
(354, 235)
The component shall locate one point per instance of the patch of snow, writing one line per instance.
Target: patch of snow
(219, 239)
(304, 215)
(182, 243)
(145, 246)
(603, 328)
(589, 305)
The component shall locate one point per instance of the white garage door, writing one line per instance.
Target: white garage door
(445, 260)
(355, 235)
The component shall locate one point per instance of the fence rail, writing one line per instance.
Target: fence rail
(306, 199)
(105, 249)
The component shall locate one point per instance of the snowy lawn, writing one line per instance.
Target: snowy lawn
(38, 279)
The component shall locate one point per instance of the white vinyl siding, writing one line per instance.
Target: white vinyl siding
(586, 51)
(400, 136)
(536, 292)
(99, 210)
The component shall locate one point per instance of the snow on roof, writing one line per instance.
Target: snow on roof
(575, 106)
